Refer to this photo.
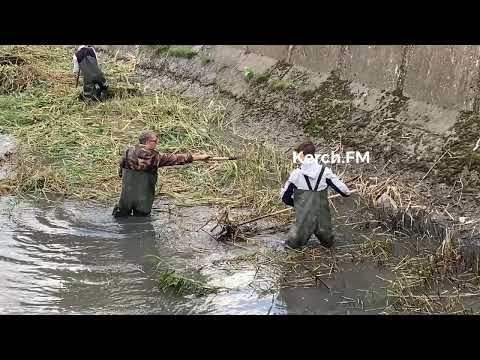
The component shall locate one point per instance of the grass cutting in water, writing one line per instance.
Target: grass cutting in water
(171, 280)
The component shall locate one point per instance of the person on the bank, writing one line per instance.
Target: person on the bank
(307, 191)
(139, 172)
(94, 83)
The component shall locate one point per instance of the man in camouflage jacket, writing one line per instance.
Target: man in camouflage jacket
(139, 172)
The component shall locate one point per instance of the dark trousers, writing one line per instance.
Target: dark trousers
(95, 89)
(138, 192)
(312, 214)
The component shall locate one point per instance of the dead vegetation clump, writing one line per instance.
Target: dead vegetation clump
(433, 282)
(171, 280)
(16, 73)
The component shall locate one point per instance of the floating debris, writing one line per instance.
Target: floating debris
(172, 280)
(169, 279)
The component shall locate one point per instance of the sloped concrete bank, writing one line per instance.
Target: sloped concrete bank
(423, 146)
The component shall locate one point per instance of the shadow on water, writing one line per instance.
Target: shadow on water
(118, 278)
(138, 241)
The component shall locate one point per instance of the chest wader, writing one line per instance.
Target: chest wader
(138, 192)
(94, 82)
(312, 213)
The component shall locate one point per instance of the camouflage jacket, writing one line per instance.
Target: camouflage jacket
(140, 158)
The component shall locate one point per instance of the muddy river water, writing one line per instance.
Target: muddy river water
(67, 257)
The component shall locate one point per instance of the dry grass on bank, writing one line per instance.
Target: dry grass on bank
(72, 148)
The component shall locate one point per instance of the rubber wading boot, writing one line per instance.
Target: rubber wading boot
(312, 213)
(138, 192)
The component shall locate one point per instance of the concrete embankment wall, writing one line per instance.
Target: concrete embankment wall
(446, 76)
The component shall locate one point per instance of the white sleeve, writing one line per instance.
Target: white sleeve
(75, 64)
(284, 188)
(96, 57)
(291, 180)
(338, 185)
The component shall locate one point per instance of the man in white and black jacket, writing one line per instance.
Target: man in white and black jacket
(307, 191)
(94, 82)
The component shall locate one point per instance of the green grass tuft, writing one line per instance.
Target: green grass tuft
(181, 52)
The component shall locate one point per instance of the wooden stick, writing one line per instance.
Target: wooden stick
(220, 158)
(435, 163)
(337, 195)
(265, 216)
